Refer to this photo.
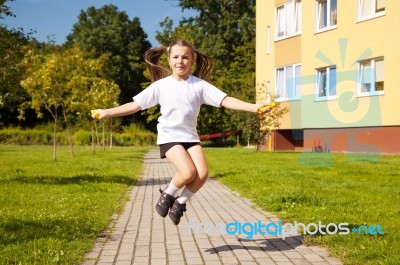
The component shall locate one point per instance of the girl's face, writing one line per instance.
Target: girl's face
(180, 60)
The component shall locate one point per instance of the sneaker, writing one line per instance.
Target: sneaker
(164, 203)
(176, 212)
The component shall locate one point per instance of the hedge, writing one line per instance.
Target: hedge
(79, 137)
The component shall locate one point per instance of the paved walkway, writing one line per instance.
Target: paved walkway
(141, 236)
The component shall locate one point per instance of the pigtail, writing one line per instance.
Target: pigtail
(204, 65)
(153, 58)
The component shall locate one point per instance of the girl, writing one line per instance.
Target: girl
(180, 96)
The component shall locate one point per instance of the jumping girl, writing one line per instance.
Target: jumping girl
(180, 96)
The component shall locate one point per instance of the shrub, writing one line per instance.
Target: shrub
(82, 137)
(28, 137)
(137, 137)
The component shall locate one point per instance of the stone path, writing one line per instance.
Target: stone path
(141, 236)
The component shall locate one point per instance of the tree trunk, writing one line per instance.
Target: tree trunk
(93, 142)
(104, 138)
(97, 134)
(111, 132)
(68, 135)
(55, 139)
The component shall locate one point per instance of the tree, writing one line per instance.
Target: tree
(222, 26)
(5, 10)
(11, 70)
(109, 31)
(261, 128)
(65, 82)
(12, 49)
(226, 31)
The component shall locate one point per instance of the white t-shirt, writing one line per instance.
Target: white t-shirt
(180, 103)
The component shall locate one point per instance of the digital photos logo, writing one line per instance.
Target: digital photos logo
(344, 95)
(280, 229)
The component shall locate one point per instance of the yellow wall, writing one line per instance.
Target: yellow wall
(288, 51)
(264, 61)
(281, 53)
(343, 46)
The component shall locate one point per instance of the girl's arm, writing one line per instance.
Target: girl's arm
(237, 104)
(123, 110)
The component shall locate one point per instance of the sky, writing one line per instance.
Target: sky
(55, 18)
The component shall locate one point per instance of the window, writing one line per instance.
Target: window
(326, 14)
(288, 82)
(288, 19)
(370, 8)
(326, 83)
(371, 77)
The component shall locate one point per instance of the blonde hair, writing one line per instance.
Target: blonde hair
(204, 63)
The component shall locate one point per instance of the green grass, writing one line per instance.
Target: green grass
(51, 211)
(358, 189)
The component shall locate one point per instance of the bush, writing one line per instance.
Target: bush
(229, 142)
(82, 137)
(28, 137)
(137, 137)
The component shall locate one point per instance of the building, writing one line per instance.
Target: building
(333, 63)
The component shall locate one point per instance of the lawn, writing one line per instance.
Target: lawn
(51, 211)
(358, 189)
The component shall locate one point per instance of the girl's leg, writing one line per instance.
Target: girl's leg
(200, 162)
(186, 170)
(192, 172)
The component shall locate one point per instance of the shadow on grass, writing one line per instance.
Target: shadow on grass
(224, 174)
(81, 179)
(266, 245)
(84, 179)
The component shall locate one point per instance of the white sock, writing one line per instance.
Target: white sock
(185, 196)
(171, 189)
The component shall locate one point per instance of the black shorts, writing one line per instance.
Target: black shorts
(165, 147)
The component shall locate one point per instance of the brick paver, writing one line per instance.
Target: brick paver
(140, 236)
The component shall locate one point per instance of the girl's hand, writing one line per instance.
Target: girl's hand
(98, 114)
(258, 107)
(263, 109)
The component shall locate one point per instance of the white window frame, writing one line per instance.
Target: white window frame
(331, 22)
(288, 19)
(372, 74)
(288, 77)
(375, 12)
(330, 73)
